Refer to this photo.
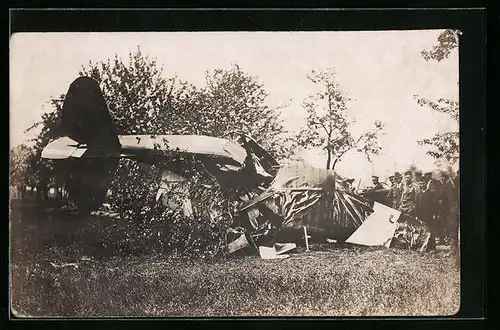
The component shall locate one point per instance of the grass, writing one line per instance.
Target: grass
(110, 282)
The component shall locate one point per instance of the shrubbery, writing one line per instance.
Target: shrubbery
(158, 228)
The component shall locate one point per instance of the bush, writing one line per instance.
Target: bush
(153, 227)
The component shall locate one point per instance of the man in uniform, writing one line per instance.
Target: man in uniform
(377, 185)
(410, 196)
(429, 206)
(398, 178)
(396, 190)
(391, 180)
(419, 179)
(451, 199)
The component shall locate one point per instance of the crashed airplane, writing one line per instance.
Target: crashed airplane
(273, 201)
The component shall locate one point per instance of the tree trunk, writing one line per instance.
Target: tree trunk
(334, 163)
(329, 159)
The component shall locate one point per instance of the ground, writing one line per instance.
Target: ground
(61, 266)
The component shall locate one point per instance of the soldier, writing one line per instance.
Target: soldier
(419, 179)
(398, 178)
(376, 183)
(429, 206)
(451, 198)
(396, 190)
(410, 196)
(391, 180)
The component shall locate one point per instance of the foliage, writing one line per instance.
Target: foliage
(445, 106)
(139, 98)
(18, 165)
(41, 172)
(443, 145)
(447, 41)
(233, 101)
(142, 101)
(145, 221)
(328, 126)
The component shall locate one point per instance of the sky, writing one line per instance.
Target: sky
(380, 71)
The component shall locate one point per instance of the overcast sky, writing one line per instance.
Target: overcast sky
(380, 71)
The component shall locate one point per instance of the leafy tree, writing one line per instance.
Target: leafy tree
(328, 126)
(139, 98)
(41, 172)
(18, 168)
(233, 101)
(443, 145)
(447, 41)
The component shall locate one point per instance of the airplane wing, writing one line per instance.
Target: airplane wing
(207, 146)
(144, 146)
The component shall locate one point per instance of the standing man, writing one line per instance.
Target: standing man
(410, 196)
(391, 180)
(396, 190)
(419, 179)
(429, 206)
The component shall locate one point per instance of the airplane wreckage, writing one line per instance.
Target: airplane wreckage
(275, 203)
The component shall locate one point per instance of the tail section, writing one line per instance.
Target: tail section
(89, 146)
(86, 118)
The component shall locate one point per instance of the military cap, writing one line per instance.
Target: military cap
(397, 175)
(408, 173)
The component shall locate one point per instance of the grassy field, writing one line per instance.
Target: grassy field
(61, 266)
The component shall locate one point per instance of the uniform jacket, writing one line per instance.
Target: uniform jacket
(395, 194)
(410, 199)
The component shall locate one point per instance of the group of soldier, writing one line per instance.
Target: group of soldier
(433, 201)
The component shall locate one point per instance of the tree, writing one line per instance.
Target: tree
(18, 164)
(233, 101)
(41, 172)
(327, 125)
(444, 145)
(447, 41)
(139, 98)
